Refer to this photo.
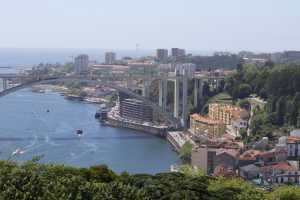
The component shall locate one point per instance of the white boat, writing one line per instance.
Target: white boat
(17, 152)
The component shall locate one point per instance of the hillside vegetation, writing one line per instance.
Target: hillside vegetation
(280, 86)
(32, 180)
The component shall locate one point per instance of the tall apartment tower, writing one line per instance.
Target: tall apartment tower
(176, 52)
(162, 53)
(81, 63)
(110, 58)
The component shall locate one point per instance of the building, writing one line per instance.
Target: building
(293, 148)
(204, 158)
(204, 127)
(162, 53)
(281, 173)
(81, 63)
(225, 113)
(133, 109)
(294, 55)
(187, 69)
(110, 58)
(176, 52)
(181, 52)
(227, 158)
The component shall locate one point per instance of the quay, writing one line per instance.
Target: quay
(177, 139)
(160, 132)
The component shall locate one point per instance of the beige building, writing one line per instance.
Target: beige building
(224, 113)
(206, 127)
(204, 158)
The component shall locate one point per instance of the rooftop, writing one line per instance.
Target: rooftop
(225, 107)
(293, 140)
(285, 166)
(202, 119)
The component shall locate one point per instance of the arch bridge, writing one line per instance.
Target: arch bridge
(108, 81)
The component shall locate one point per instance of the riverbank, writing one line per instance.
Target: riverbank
(160, 132)
(53, 134)
(48, 88)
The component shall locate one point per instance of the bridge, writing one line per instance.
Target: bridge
(109, 81)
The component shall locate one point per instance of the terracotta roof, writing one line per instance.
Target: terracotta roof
(285, 166)
(252, 152)
(246, 158)
(229, 136)
(226, 107)
(231, 152)
(202, 119)
(266, 154)
(293, 140)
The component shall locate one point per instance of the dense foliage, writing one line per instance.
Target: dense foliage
(32, 180)
(209, 62)
(280, 86)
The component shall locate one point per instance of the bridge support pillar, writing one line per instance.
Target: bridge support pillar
(22, 80)
(146, 89)
(184, 101)
(4, 84)
(200, 89)
(176, 98)
(196, 90)
(160, 98)
(165, 94)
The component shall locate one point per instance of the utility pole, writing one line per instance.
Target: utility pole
(136, 50)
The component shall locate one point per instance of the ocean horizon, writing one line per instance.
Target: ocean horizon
(29, 57)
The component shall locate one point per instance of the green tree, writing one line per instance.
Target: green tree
(244, 90)
(185, 152)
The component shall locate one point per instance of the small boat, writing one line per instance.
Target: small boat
(48, 111)
(79, 132)
(32, 112)
(17, 152)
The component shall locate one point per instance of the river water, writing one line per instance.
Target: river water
(25, 124)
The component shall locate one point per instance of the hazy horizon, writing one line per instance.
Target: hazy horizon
(231, 25)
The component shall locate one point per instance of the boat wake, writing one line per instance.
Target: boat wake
(49, 141)
(32, 142)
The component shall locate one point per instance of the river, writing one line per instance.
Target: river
(25, 124)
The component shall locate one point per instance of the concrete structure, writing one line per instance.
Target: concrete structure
(176, 52)
(204, 127)
(32, 80)
(177, 139)
(81, 63)
(225, 113)
(109, 80)
(204, 158)
(110, 58)
(133, 109)
(162, 53)
(293, 148)
(227, 158)
(187, 69)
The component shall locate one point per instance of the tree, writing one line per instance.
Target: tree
(185, 152)
(244, 90)
(285, 193)
(244, 103)
(280, 110)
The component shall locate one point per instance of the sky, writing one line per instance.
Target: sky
(213, 25)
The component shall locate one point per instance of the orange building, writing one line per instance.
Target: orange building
(224, 113)
(206, 127)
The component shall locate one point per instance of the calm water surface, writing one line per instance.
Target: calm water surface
(25, 124)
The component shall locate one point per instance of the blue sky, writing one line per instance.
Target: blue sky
(257, 25)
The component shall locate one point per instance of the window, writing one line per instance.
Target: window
(281, 180)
